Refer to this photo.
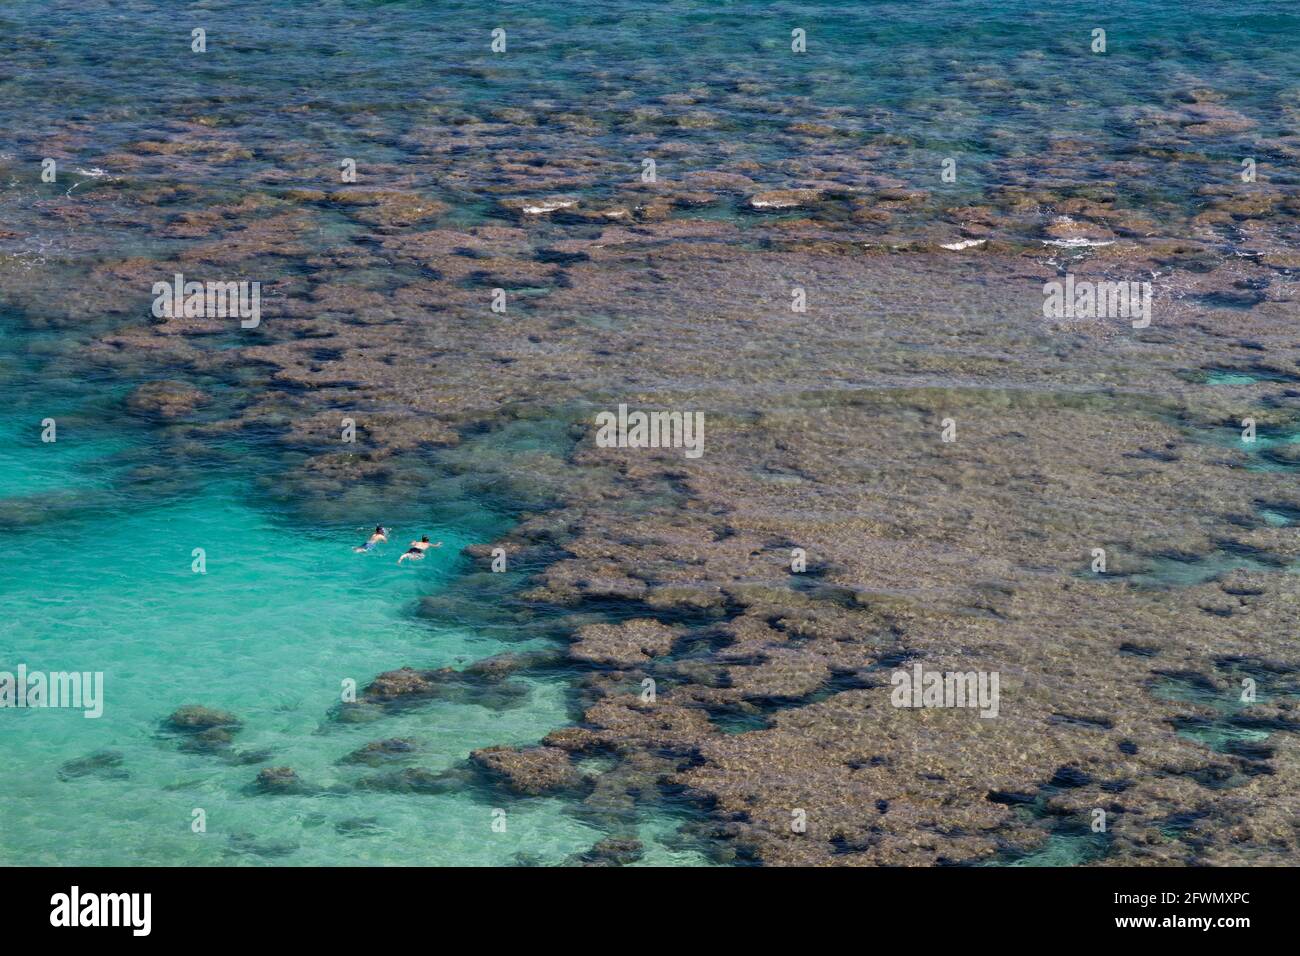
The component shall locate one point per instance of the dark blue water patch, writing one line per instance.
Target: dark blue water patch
(700, 621)
(759, 713)
(1241, 300)
(1260, 558)
(838, 683)
(1138, 650)
(1068, 778)
(1011, 799)
(1184, 826)
(1076, 720)
(1200, 264)
(1254, 283)
(1235, 663)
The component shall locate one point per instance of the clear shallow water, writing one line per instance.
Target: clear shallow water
(1073, 846)
(95, 569)
(1225, 724)
(413, 87)
(281, 616)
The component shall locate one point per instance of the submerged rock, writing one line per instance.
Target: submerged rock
(394, 690)
(249, 844)
(405, 684)
(500, 666)
(823, 436)
(1285, 454)
(530, 771)
(359, 827)
(777, 199)
(419, 780)
(106, 764)
(212, 740)
(359, 712)
(388, 208)
(165, 399)
(194, 718)
(380, 752)
(612, 851)
(625, 645)
(279, 780)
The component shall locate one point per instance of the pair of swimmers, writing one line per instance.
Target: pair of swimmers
(415, 552)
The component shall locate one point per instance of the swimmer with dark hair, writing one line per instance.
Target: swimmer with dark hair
(380, 534)
(416, 551)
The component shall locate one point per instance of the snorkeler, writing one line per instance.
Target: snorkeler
(416, 551)
(380, 534)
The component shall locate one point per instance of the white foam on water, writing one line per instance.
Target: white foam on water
(1079, 243)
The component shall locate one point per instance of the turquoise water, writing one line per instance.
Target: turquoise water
(1268, 439)
(1229, 728)
(1276, 519)
(1073, 846)
(282, 615)
(99, 527)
